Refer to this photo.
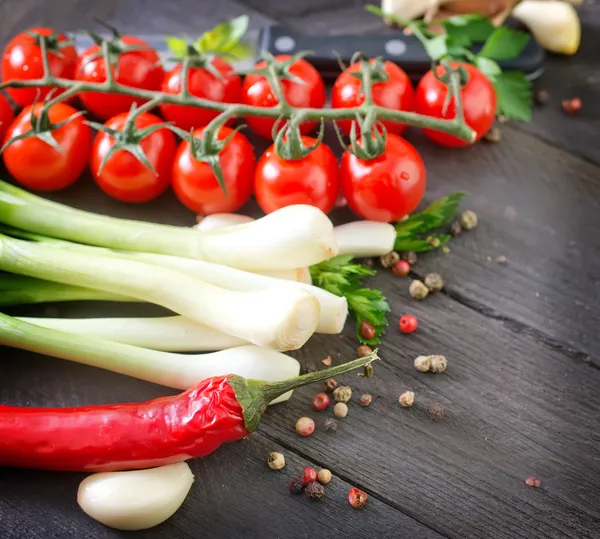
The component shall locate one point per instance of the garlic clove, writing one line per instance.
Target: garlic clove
(554, 24)
(135, 500)
(409, 9)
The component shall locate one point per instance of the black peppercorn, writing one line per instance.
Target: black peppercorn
(436, 412)
(331, 425)
(295, 486)
(455, 228)
(410, 257)
(315, 491)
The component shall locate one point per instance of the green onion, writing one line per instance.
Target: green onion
(167, 369)
(292, 237)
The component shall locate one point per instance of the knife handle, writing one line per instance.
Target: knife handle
(406, 51)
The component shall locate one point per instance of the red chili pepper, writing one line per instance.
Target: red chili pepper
(154, 433)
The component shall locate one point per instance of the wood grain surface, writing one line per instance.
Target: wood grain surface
(522, 390)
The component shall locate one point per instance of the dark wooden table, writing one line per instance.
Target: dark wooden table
(522, 391)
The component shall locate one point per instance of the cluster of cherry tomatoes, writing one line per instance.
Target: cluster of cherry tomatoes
(384, 188)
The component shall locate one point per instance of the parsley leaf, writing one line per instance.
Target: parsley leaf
(436, 47)
(342, 276)
(504, 44)
(514, 95)
(464, 30)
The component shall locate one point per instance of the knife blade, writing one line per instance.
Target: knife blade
(406, 51)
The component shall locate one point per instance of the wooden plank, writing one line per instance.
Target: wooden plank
(515, 408)
(234, 494)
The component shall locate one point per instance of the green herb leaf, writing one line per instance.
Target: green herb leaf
(464, 30)
(225, 36)
(488, 67)
(342, 276)
(436, 47)
(177, 46)
(505, 44)
(514, 95)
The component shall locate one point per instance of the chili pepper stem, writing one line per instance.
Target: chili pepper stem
(254, 396)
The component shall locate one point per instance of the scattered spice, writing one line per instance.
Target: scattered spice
(309, 475)
(401, 268)
(418, 290)
(324, 476)
(468, 219)
(367, 331)
(501, 260)
(423, 363)
(387, 261)
(320, 402)
(433, 241)
(357, 498)
(295, 486)
(368, 262)
(410, 257)
(275, 460)
(305, 426)
(363, 350)
(488, 258)
(455, 228)
(493, 135)
(542, 97)
(445, 249)
(315, 491)
(436, 412)
(366, 399)
(342, 394)
(571, 105)
(329, 385)
(340, 409)
(434, 282)
(408, 323)
(331, 424)
(327, 361)
(533, 482)
(438, 364)
(407, 399)
(308, 369)
(502, 119)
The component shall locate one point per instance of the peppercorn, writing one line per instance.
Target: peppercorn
(357, 498)
(366, 399)
(434, 282)
(367, 331)
(309, 475)
(438, 364)
(387, 261)
(542, 97)
(401, 268)
(572, 105)
(305, 426)
(331, 424)
(324, 476)
(436, 412)
(423, 363)
(408, 323)
(275, 460)
(433, 241)
(320, 402)
(418, 290)
(410, 257)
(295, 486)
(329, 385)
(340, 409)
(455, 228)
(493, 135)
(363, 350)
(445, 249)
(468, 220)
(342, 394)
(315, 491)
(368, 262)
(407, 399)
(533, 482)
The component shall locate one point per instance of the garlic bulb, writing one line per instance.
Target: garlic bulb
(554, 24)
(135, 500)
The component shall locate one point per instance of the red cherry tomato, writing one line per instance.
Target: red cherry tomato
(140, 69)
(201, 83)
(257, 92)
(478, 99)
(385, 188)
(22, 60)
(123, 176)
(39, 166)
(312, 180)
(396, 93)
(197, 187)
(6, 116)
